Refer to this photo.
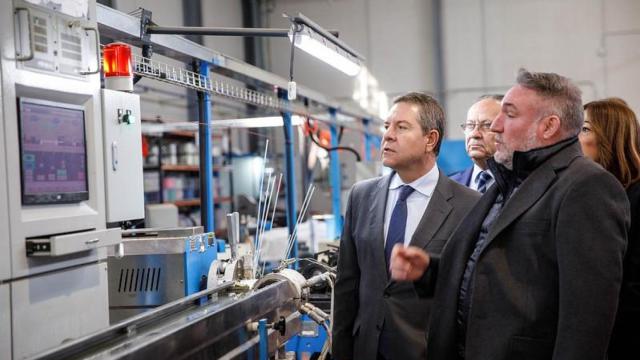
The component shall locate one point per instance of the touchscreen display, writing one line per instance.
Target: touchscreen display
(53, 152)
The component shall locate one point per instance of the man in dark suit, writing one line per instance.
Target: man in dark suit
(417, 205)
(534, 270)
(479, 142)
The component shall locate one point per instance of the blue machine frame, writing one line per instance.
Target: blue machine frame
(310, 341)
(335, 177)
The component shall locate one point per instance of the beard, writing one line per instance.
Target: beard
(505, 156)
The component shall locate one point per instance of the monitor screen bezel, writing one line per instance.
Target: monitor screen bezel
(60, 197)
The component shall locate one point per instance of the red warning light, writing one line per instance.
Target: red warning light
(116, 65)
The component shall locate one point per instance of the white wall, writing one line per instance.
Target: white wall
(223, 13)
(167, 13)
(621, 51)
(486, 41)
(401, 48)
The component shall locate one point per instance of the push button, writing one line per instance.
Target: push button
(128, 118)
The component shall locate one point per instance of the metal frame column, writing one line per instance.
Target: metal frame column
(335, 177)
(367, 140)
(290, 174)
(263, 353)
(370, 140)
(206, 162)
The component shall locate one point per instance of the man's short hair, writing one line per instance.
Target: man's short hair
(496, 97)
(430, 113)
(564, 97)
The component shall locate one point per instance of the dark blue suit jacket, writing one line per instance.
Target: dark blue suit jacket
(463, 177)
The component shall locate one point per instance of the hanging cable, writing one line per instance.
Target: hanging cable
(296, 29)
(147, 52)
(292, 92)
(337, 148)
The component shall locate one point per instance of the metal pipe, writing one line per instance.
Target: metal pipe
(206, 162)
(261, 224)
(303, 211)
(265, 212)
(275, 204)
(256, 240)
(216, 31)
(229, 31)
(290, 190)
(334, 177)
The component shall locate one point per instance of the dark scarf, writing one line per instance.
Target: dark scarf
(524, 163)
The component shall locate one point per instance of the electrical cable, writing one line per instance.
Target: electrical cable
(296, 29)
(337, 148)
(326, 348)
(324, 266)
(147, 52)
(327, 345)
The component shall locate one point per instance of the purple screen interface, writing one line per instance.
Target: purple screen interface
(53, 149)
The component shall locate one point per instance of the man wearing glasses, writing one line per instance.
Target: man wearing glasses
(479, 142)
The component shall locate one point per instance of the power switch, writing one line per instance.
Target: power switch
(126, 117)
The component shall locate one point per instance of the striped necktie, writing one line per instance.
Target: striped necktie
(483, 179)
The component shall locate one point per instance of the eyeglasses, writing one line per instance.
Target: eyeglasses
(470, 126)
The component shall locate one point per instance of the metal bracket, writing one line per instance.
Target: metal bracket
(98, 58)
(145, 20)
(21, 57)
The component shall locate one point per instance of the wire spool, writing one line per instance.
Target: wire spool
(294, 278)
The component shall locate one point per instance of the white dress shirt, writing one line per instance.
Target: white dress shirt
(417, 202)
(473, 184)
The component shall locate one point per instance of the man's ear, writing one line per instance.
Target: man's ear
(550, 126)
(433, 136)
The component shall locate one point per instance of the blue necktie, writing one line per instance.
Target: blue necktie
(483, 178)
(398, 222)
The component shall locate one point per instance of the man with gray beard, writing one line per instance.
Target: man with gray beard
(534, 270)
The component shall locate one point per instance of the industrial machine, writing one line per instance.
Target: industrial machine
(158, 266)
(70, 174)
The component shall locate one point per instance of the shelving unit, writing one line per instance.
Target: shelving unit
(181, 168)
(172, 176)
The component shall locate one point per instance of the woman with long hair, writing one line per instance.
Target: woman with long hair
(610, 138)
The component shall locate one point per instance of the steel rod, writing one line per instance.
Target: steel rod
(216, 31)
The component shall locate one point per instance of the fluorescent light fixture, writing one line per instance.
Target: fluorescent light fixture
(257, 122)
(320, 48)
(311, 38)
(338, 119)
